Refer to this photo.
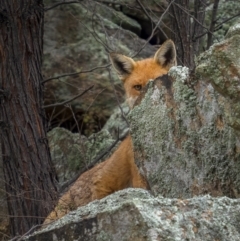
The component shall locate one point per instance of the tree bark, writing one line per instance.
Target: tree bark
(187, 25)
(29, 174)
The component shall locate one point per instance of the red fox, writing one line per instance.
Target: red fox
(119, 171)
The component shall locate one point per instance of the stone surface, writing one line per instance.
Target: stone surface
(221, 67)
(183, 144)
(233, 30)
(117, 124)
(78, 37)
(186, 130)
(72, 152)
(133, 214)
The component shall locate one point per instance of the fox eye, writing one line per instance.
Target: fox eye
(137, 87)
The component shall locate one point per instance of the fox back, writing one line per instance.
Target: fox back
(119, 171)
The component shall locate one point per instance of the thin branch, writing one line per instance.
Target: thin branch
(119, 104)
(153, 31)
(19, 238)
(76, 73)
(180, 38)
(149, 17)
(98, 1)
(75, 119)
(81, 146)
(86, 111)
(226, 20)
(184, 10)
(94, 162)
(60, 3)
(218, 26)
(67, 101)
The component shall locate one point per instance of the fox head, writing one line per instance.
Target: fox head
(136, 74)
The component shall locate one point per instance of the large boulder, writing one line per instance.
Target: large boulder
(186, 130)
(71, 153)
(78, 37)
(221, 67)
(134, 214)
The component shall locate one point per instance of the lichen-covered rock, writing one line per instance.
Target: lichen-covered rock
(72, 152)
(128, 7)
(183, 144)
(133, 214)
(220, 65)
(233, 30)
(115, 16)
(117, 124)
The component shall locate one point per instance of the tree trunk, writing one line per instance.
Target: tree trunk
(29, 174)
(187, 26)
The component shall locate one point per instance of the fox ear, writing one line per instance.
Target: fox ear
(166, 55)
(122, 64)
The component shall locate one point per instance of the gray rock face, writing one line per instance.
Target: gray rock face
(183, 144)
(71, 152)
(117, 124)
(78, 37)
(234, 30)
(133, 214)
(186, 132)
(221, 67)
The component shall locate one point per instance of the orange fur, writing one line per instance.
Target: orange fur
(119, 171)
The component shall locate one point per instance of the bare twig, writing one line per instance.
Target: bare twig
(19, 238)
(67, 101)
(218, 26)
(178, 31)
(60, 3)
(226, 20)
(187, 12)
(153, 31)
(81, 146)
(76, 73)
(91, 105)
(119, 105)
(149, 17)
(75, 119)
